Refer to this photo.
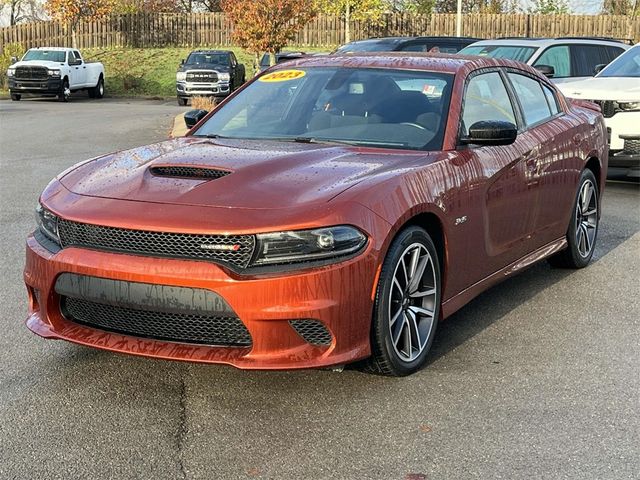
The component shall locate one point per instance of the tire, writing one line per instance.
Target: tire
(16, 97)
(183, 101)
(65, 91)
(98, 90)
(583, 227)
(399, 349)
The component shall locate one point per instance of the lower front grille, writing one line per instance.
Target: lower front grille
(312, 331)
(632, 146)
(170, 326)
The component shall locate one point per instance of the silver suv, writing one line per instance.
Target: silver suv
(561, 59)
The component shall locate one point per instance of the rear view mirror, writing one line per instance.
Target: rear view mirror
(599, 68)
(194, 116)
(490, 132)
(546, 70)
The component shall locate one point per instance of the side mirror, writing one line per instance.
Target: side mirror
(182, 62)
(491, 132)
(194, 116)
(14, 60)
(547, 70)
(599, 68)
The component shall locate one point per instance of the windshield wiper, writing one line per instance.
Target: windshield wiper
(318, 140)
(211, 135)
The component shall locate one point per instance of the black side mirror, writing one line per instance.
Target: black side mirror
(14, 60)
(599, 68)
(547, 70)
(182, 62)
(491, 132)
(194, 116)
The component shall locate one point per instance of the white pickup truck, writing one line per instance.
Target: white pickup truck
(55, 71)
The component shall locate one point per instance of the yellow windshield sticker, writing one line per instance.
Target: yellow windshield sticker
(282, 76)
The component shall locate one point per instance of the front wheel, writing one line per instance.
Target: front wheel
(16, 97)
(407, 305)
(65, 92)
(182, 101)
(583, 228)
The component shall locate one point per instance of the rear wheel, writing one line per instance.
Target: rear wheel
(407, 305)
(98, 90)
(65, 91)
(583, 228)
(16, 97)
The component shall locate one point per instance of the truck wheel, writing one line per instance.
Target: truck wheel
(16, 97)
(98, 90)
(182, 101)
(65, 91)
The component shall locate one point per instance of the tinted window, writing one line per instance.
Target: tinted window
(210, 58)
(486, 98)
(521, 54)
(558, 58)
(414, 47)
(585, 58)
(388, 108)
(368, 46)
(533, 100)
(626, 65)
(551, 99)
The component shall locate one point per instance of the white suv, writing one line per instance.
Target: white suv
(561, 59)
(617, 90)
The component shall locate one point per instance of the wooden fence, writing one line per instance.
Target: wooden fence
(202, 29)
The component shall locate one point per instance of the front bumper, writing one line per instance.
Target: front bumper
(339, 296)
(48, 86)
(192, 89)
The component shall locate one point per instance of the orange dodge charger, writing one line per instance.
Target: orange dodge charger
(333, 209)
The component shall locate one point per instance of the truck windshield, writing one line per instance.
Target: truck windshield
(213, 58)
(626, 65)
(398, 109)
(512, 52)
(46, 55)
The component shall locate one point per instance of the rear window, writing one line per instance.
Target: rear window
(585, 58)
(512, 52)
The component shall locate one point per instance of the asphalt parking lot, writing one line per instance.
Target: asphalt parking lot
(537, 378)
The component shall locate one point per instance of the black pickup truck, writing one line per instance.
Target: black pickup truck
(212, 73)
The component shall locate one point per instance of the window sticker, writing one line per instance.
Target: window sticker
(282, 76)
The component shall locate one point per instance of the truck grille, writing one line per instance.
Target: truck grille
(170, 326)
(31, 73)
(202, 77)
(235, 250)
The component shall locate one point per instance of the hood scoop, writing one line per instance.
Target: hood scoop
(192, 172)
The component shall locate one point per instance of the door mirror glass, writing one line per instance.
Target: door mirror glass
(491, 132)
(547, 70)
(194, 116)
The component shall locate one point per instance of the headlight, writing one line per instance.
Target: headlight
(629, 106)
(47, 223)
(54, 73)
(307, 245)
(11, 72)
(181, 76)
(224, 77)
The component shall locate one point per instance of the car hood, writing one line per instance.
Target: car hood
(263, 174)
(38, 63)
(603, 88)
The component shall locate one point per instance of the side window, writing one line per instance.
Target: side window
(414, 47)
(558, 58)
(533, 100)
(551, 99)
(486, 98)
(585, 58)
(232, 59)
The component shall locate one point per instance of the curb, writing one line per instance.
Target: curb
(178, 129)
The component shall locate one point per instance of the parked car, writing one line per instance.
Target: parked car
(211, 73)
(407, 44)
(321, 216)
(562, 59)
(265, 61)
(55, 71)
(617, 90)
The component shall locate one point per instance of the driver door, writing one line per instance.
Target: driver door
(78, 70)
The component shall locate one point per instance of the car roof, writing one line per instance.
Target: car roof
(544, 42)
(439, 62)
(58, 49)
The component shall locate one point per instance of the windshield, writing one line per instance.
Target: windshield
(512, 52)
(213, 58)
(372, 107)
(369, 46)
(46, 55)
(626, 65)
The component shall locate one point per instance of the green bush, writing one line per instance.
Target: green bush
(10, 50)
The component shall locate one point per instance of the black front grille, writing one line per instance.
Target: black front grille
(188, 172)
(608, 107)
(202, 77)
(312, 331)
(31, 73)
(169, 326)
(234, 250)
(632, 146)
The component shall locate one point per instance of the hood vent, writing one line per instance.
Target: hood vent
(182, 171)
